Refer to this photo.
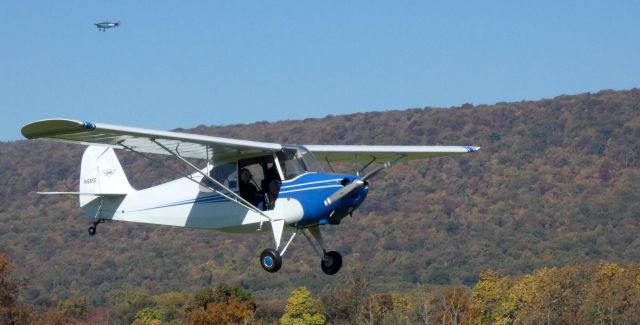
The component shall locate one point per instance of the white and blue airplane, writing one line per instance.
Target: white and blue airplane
(102, 26)
(246, 186)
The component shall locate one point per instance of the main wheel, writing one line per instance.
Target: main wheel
(92, 231)
(270, 260)
(331, 263)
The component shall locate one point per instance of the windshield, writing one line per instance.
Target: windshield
(310, 160)
(297, 161)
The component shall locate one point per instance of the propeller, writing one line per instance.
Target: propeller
(337, 195)
(350, 187)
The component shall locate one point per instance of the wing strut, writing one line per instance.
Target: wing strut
(365, 165)
(237, 198)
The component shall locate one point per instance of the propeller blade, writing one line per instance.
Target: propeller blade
(337, 195)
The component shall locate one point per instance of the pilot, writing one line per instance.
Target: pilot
(271, 186)
(248, 191)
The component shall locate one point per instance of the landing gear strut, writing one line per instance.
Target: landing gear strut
(92, 229)
(331, 261)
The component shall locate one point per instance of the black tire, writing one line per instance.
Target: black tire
(331, 263)
(270, 260)
(92, 231)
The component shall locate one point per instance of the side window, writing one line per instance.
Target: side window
(226, 174)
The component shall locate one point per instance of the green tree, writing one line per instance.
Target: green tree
(302, 308)
(148, 316)
(76, 308)
(171, 306)
(127, 303)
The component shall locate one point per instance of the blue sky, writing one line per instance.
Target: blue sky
(185, 63)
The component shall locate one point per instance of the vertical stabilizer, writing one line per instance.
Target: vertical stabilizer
(101, 174)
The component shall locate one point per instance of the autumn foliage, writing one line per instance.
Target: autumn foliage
(574, 294)
(553, 192)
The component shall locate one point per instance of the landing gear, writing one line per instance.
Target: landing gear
(92, 229)
(331, 262)
(270, 260)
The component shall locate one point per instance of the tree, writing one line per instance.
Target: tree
(611, 293)
(455, 306)
(171, 306)
(76, 308)
(127, 303)
(223, 304)
(8, 289)
(302, 308)
(11, 310)
(148, 316)
(491, 299)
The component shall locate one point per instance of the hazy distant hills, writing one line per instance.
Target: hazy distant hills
(556, 182)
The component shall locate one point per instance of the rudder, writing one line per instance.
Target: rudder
(101, 174)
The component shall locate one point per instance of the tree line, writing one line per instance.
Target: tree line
(604, 293)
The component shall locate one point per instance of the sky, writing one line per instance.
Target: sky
(180, 64)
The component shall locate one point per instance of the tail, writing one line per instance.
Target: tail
(101, 175)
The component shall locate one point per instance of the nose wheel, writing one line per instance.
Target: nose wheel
(331, 263)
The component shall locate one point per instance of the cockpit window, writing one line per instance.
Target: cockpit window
(226, 174)
(310, 160)
(298, 161)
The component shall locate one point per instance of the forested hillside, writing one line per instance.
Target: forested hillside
(556, 182)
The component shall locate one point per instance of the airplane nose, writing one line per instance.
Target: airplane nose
(358, 195)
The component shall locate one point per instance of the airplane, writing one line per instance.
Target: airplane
(107, 24)
(244, 187)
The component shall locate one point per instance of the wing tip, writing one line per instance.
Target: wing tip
(471, 149)
(47, 127)
(88, 125)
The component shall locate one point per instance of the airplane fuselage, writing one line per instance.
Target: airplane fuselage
(183, 203)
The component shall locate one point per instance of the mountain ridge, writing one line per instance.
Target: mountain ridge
(555, 183)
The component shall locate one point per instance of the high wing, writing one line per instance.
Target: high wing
(146, 140)
(383, 154)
